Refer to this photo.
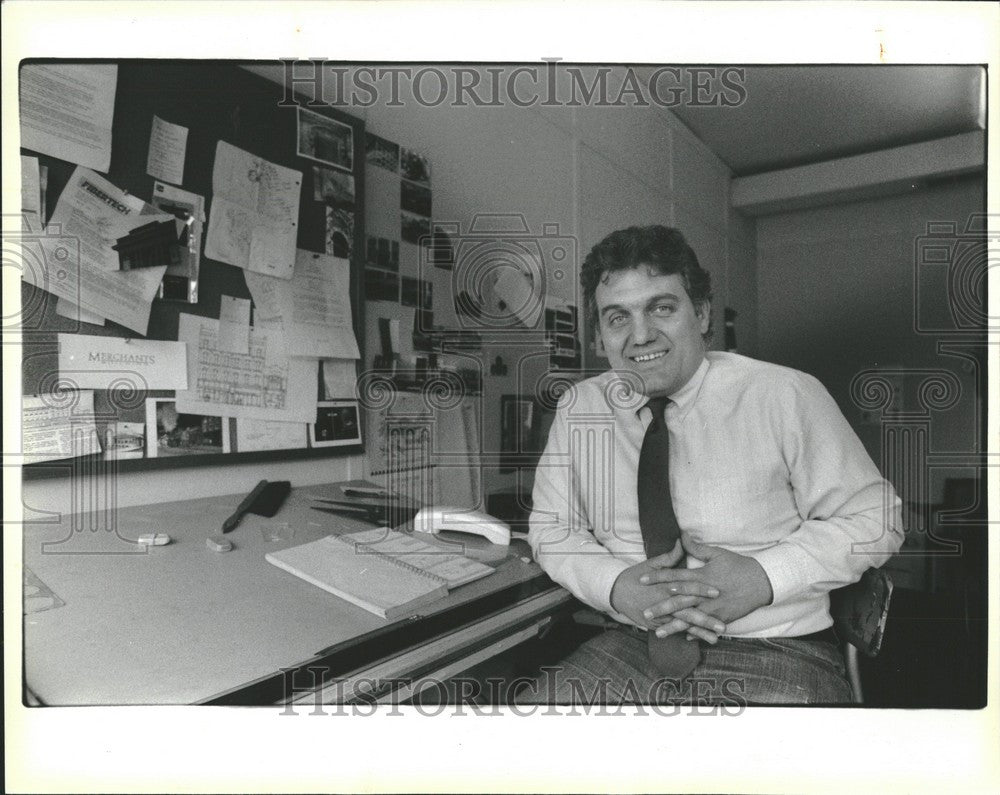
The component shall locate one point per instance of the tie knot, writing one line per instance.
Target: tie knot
(658, 405)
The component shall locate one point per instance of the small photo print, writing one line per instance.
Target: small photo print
(332, 186)
(382, 153)
(441, 253)
(383, 254)
(426, 295)
(325, 140)
(415, 198)
(339, 232)
(381, 285)
(124, 440)
(336, 424)
(409, 291)
(414, 167)
(414, 229)
(171, 434)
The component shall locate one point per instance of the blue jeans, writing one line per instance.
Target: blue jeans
(613, 668)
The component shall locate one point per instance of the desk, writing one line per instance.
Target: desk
(180, 624)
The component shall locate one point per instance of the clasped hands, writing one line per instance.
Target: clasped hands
(656, 595)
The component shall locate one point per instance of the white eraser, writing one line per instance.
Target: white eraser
(218, 544)
(154, 539)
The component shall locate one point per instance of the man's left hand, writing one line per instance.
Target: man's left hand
(742, 583)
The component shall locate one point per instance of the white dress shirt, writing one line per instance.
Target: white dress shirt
(762, 463)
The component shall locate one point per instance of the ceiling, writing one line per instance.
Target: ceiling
(796, 115)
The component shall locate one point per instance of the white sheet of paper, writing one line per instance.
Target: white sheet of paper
(31, 186)
(314, 306)
(167, 148)
(268, 295)
(79, 264)
(234, 325)
(53, 427)
(253, 195)
(92, 362)
(67, 111)
(70, 310)
(340, 378)
(267, 435)
(265, 384)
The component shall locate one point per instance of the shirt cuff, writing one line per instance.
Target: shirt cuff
(787, 567)
(604, 582)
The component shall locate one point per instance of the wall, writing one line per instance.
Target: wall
(587, 170)
(836, 291)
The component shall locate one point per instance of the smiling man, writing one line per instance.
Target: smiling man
(752, 466)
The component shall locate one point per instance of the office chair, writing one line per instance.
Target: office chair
(859, 614)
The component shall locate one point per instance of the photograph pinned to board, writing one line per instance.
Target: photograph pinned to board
(169, 433)
(180, 281)
(414, 198)
(414, 166)
(339, 232)
(416, 293)
(381, 285)
(336, 424)
(124, 440)
(332, 186)
(325, 139)
(415, 229)
(382, 153)
(441, 252)
(382, 253)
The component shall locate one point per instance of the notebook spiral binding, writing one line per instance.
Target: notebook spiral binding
(361, 548)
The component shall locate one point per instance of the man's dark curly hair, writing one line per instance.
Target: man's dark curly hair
(662, 248)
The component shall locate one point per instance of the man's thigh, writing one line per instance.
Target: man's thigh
(613, 668)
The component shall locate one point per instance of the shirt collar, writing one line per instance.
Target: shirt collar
(683, 398)
(628, 405)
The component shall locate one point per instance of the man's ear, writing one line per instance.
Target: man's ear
(703, 310)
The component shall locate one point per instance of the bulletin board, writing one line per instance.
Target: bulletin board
(215, 101)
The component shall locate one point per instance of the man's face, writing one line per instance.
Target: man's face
(650, 327)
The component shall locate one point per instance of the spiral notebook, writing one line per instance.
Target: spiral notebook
(384, 571)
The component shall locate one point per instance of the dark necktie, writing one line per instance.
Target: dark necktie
(673, 656)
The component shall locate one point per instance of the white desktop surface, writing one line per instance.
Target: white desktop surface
(179, 624)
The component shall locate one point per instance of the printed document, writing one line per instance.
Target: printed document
(167, 147)
(58, 426)
(78, 263)
(314, 306)
(67, 110)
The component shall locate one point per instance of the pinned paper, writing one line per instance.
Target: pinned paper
(31, 194)
(79, 263)
(340, 379)
(67, 111)
(91, 362)
(256, 435)
(264, 384)
(234, 325)
(255, 212)
(167, 147)
(70, 310)
(58, 426)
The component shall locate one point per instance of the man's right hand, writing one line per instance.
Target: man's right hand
(630, 597)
